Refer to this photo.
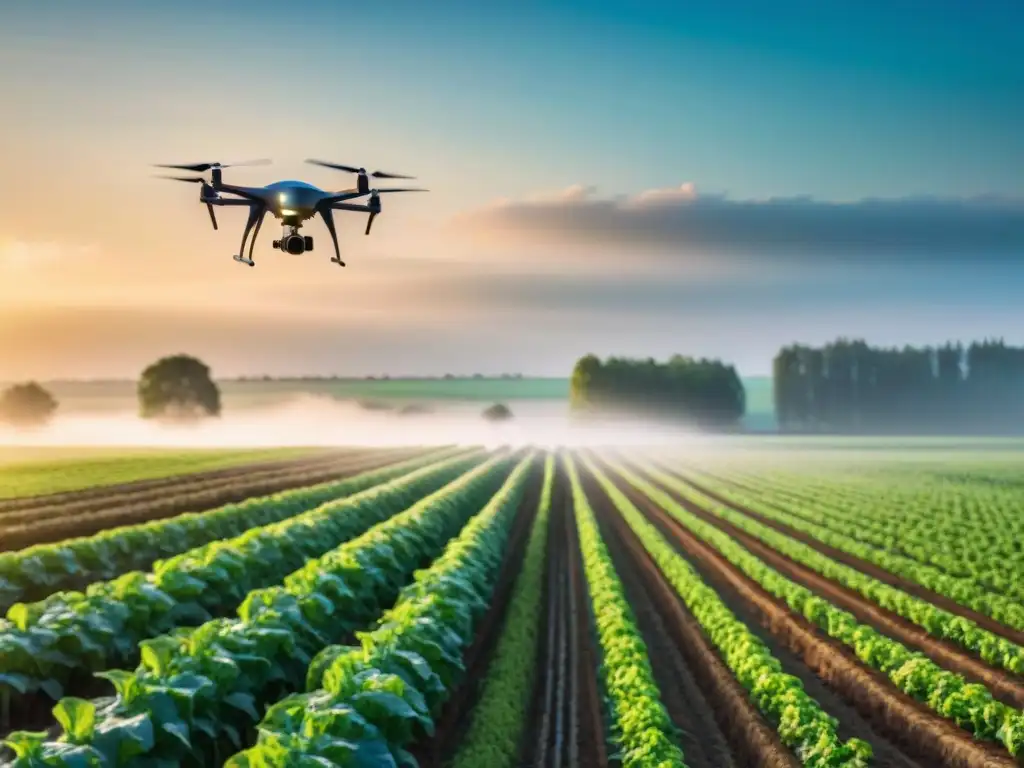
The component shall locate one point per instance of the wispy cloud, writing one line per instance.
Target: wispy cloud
(679, 222)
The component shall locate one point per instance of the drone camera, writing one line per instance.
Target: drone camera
(293, 244)
(309, 243)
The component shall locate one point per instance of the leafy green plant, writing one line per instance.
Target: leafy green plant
(936, 621)
(499, 717)
(800, 721)
(970, 705)
(642, 728)
(197, 687)
(43, 645)
(364, 704)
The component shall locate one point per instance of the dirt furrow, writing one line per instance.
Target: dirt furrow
(863, 566)
(565, 726)
(173, 502)
(703, 743)
(434, 752)
(102, 493)
(901, 731)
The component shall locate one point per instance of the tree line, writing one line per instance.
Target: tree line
(847, 386)
(704, 392)
(176, 387)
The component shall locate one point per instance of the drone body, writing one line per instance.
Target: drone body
(293, 202)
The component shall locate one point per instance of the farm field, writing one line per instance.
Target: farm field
(729, 604)
(31, 471)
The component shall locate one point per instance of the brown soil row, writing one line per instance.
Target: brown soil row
(704, 744)
(915, 736)
(450, 726)
(13, 518)
(152, 484)
(565, 724)
(190, 485)
(1004, 686)
(176, 501)
(987, 622)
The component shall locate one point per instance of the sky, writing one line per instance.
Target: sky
(713, 178)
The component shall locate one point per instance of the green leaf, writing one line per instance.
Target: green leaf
(20, 683)
(244, 702)
(77, 717)
(178, 730)
(25, 743)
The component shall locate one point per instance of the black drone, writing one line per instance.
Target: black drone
(293, 202)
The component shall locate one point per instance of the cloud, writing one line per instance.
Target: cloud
(680, 222)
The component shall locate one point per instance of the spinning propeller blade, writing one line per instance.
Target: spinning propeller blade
(353, 169)
(397, 189)
(194, 179)
(200, 167)
(202, 192)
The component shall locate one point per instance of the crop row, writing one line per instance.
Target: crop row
(961, 546)
(35, 572)
(799, 720)
(970, 706)
(57, 524)
(183, 487)
(960, 590)
(499, 717)
(934, 620)
(370, 702)
(45, 645)
(640, 724)
(198, 690)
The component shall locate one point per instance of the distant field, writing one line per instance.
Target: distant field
(119, 396)
(34, 471)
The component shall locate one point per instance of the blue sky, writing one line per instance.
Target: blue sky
(745, 101)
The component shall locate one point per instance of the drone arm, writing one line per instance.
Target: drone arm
(342, 196)
(250, 194)
(352, 207)
(228, 201)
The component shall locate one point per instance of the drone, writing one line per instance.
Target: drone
(293, 202)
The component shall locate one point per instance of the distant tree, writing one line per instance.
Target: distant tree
(497, 412)
(27, 405)
(704, 392)
(178, 387)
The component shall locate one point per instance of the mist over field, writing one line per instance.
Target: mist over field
(308, 420)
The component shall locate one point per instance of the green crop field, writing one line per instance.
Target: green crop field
(30, 471)
(757, 601)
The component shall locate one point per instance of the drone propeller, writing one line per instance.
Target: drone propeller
(360, 171)
(375, 192)
(199, 167)
(202, 192)
(375, 201)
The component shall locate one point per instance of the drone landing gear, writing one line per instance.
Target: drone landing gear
(256, 213)
(327, 214)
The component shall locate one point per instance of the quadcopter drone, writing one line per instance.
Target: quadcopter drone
(293, 202)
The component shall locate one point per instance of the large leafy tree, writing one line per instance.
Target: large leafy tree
(27, 405)
(180, 387)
